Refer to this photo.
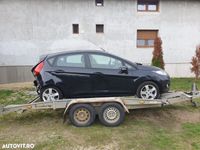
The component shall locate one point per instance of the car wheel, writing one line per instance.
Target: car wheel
(50, 94)
(148, 90)
(111, 114)
(82, 115)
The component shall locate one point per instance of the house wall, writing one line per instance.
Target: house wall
(30, 28)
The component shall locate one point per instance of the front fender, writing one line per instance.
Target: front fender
(94, 101)
(145, 79)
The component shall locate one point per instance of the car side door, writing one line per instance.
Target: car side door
(109, 75)
(72, 74)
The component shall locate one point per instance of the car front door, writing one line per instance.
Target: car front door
(72, 74)
(109, 75)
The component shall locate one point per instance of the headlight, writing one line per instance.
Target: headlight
(161, 72)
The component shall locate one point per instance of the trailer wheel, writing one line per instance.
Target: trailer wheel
(111, 114)
(82, 115)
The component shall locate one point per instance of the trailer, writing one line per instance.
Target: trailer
(110, 110)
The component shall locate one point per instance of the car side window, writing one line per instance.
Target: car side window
(73, 60)
(104, 62)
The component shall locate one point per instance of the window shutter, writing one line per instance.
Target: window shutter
(146, 34)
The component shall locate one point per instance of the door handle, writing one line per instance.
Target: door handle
(59, 71)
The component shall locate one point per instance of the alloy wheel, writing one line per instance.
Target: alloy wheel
(50, 94)
(148, 92)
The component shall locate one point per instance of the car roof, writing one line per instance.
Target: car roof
(77, 51)
(84, 51)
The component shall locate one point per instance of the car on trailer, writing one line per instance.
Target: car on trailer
(85, 74)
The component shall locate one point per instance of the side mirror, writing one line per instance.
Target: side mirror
(124, 69)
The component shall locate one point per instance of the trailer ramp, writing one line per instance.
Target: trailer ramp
(166, 99)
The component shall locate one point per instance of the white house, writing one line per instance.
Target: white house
(127, 28)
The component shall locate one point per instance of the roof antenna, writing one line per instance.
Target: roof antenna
(102, 49)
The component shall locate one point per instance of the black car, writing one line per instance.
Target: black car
(81, 74)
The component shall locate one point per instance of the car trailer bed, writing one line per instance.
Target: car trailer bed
(111, 110)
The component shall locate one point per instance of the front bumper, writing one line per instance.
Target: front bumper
(165, 86)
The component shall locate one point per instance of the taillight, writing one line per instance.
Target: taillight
(38, 68)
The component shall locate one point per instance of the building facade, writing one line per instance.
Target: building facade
(127, 28)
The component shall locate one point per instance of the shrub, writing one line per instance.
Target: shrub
(157, 59)
(196, 63)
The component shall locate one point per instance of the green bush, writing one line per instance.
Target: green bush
(157, 59)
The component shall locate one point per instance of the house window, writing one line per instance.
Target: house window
(148, 5)
(145, 38)
(99, 2)
(75, 28)
(99, 28)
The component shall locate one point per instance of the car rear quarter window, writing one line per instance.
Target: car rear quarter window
(73, 60)
(104, 62)
(51, 61)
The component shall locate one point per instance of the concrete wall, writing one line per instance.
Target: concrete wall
(10, 74)
(29, 28)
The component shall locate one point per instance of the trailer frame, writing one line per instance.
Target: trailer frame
(126, 103)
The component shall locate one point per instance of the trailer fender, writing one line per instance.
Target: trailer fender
(92, 100)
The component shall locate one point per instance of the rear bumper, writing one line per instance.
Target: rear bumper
(37, 85)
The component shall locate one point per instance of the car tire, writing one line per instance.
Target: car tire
(111, 114)
(82, 115)
(148, 90)
(50, 94)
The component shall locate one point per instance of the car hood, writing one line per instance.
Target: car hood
(147, 68)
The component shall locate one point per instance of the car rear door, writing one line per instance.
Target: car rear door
(72, 74)
(106, 75)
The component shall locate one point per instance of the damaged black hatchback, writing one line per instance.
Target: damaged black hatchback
(81, 74)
